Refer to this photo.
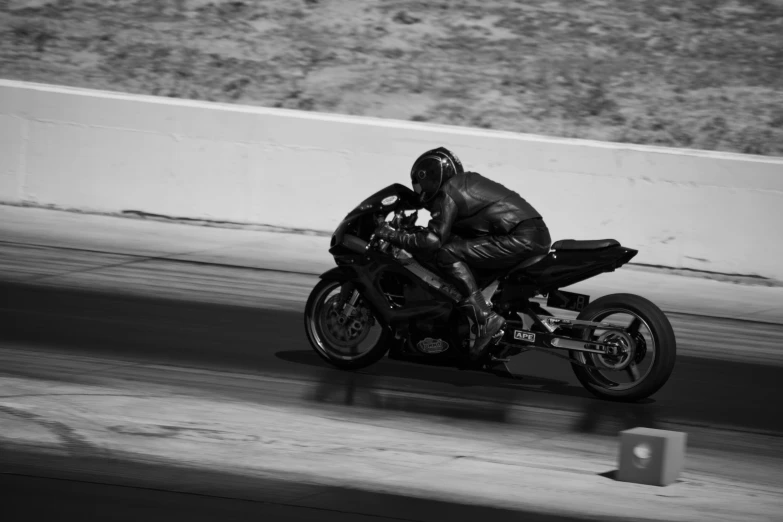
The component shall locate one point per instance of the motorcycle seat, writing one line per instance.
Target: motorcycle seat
(592, 244)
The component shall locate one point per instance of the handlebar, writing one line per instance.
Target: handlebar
(399, 222)
(384, 245)
(370, 242)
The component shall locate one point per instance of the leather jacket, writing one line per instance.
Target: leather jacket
(470, 206)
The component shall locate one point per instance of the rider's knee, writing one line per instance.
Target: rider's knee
(446, 256)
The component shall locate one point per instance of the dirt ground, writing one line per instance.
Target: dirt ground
(705, 74)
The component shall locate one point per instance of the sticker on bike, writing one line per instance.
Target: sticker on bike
(432, 346)
(524, 336)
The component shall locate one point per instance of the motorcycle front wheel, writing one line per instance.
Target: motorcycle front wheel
(345, 335)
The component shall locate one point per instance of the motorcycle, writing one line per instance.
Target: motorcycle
(381, 300)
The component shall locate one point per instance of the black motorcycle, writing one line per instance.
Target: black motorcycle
(380, 299)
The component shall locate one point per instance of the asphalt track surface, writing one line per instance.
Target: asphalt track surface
(59, 336)
(701, 392)
(727, 408)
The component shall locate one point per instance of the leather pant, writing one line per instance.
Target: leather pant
(530, 238)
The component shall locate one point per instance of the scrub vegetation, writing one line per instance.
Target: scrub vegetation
(704, 74)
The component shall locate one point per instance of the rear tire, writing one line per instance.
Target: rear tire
(661, 334)
(319, 322)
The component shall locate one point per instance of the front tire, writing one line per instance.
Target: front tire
(651, 355)
(338, 338)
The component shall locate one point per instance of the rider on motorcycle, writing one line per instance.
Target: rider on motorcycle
(475, 222)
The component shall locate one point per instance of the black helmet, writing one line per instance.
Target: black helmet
(431, 170)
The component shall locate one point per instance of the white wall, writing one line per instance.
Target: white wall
(105, 151)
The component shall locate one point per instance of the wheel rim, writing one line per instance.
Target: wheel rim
(639, 351)
(338, 336)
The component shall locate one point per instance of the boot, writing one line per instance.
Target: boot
(488, 323)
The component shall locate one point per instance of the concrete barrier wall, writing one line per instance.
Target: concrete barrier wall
(102, 151)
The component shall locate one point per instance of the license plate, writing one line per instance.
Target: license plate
(567, 300)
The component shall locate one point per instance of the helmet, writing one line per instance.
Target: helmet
(431, 170)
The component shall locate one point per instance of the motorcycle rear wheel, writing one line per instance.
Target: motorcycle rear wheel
(648, 364)
(337, 338)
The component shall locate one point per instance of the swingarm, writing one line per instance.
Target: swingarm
(517, 336)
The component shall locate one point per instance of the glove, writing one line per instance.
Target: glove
(385, 232)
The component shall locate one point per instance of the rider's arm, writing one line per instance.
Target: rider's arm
(437, 232)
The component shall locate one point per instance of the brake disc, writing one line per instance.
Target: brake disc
(346, 331)
(625, 347)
